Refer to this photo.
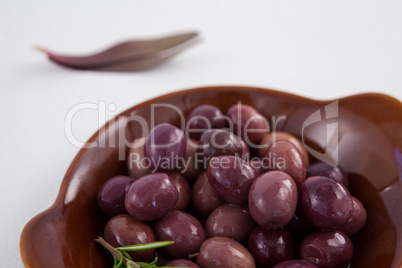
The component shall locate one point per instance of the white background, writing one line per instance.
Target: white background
(319, 50)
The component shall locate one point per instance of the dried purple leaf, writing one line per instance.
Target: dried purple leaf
(128, 56)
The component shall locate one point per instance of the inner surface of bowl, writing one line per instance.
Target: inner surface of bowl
(364, 133)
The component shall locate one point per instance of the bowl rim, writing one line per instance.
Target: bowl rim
(66, 178)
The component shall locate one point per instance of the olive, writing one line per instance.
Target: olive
(123, 230)
(223, 252)
(272, 199)
(151, 197)
(230, 221)
(248, 123)
(182, 228)
(204, 196)
(283, 155)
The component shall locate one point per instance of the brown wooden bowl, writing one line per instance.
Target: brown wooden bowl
(370, 151)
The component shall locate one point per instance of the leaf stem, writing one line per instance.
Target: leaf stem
(121, 256)
(116, 253)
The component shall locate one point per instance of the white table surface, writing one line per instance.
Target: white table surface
(318, 50)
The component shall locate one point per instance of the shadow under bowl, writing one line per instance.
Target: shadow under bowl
(368, 146)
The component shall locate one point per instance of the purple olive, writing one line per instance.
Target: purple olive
(202, 118)
(190, 167)
(164, 147)
(279, 136)
(283, 155)
(357, 220)
(216, 142)
(123, 230)
(223, 252)
(231, 177)
(182, 228)
(204, 196)
(112, 193)
(327, 249)
(270, 246)
(248, 123)
(326, 170)
(151, 197)
(326, 203)
(230, 221)
(272, 199)
(184, 191)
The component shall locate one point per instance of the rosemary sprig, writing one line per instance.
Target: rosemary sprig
(146, 246)
(121, 259)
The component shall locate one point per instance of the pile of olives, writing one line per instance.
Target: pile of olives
(230, 193)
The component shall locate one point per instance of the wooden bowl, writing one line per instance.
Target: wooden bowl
(369, 149)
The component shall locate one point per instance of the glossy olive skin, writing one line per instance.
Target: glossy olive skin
(184, 190)
(248, 123)
(326, 203)
(123, 230)
(326, 170)
(184, 229)
(327, 249)
(283, 155)
(204, 196)
(216, 142)
(181, 263)
(231, 177)
(270, 246)
(277, 136)
(295, 264)
(272, 199)
(202, 118)
(223, 252)
(137, 164)
(230, 221)
(112, 193)
(190, 168)
(357, 220)
(151, 197)
(165, 144)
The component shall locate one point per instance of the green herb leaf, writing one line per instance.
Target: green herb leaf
(120, 256)
(125, 254)
(145, 246)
